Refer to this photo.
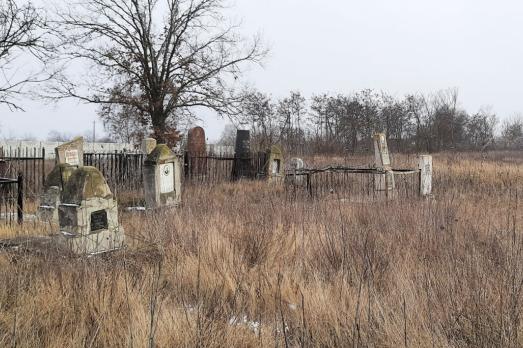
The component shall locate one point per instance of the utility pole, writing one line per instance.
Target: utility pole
(94, 133)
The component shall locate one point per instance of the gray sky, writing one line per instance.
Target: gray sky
(399, 46)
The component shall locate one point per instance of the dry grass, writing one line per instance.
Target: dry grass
(240, 266)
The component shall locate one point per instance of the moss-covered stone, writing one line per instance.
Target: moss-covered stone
(85, 183)
(59, 175)
(161, 154)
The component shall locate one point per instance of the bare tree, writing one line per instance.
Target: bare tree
(162, 58)
(23, 33)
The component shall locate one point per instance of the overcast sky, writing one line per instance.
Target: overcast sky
(399, 46)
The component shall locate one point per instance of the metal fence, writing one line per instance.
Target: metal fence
(12, 200)
(30, 162)
(123, 171)
(352, 184)
(210, 168)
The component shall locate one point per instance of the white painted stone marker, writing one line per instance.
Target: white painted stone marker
(425, 167)
(383, 182)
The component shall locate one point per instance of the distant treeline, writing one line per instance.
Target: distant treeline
(345, 123)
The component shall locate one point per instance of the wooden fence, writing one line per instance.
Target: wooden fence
(12, 200)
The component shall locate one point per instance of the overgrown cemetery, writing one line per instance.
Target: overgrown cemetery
(252, 247)
(326, 174)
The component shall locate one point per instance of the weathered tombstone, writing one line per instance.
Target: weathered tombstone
(88, 214)
(385, 181)
(425, 167)
(242, 167)
(54, 183)
(275, 168)
(71, 152)
(296, 165)
(196, 151)
(148, 145)
(162, 178)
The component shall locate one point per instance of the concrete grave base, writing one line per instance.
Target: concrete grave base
(78, 229)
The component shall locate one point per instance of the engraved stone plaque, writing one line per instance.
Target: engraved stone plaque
(99, 220)
(72, 157)
(167, 178)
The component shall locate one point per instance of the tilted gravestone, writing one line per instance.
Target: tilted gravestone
(275, 170)
(88, 214)
(148, 145)
(162, 178)
(385, 181)
(242, 167)
(54, 183)
(71, 152)
(69, 156)
(425, 167)
(196, 151)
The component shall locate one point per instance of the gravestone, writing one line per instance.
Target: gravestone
(425, 167)
(196, 151)
(88, 214)
(71, 152)
(275, 170)
(50, 199)
(385, 181)
(148, 145)
(242, 167)
(162, 178)
(296, 165)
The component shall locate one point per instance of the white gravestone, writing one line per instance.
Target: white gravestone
(425, 167)
(162, 178)
(383, 182)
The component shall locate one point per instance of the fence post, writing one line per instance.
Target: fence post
(43, 167)
(20, 198)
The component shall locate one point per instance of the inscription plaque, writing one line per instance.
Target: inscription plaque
(167, 178)
(72, 158)
(99, 220)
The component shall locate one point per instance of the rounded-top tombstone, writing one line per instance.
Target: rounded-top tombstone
(85, 183)
(196, 141)
(196, 151)
(88, 214)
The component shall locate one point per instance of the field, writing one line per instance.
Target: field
(242, 265)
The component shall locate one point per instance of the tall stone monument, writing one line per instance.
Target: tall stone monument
(385, 181)
(275, 170)
(71, 152)
(88, 214)
(242, 167)
(162, 178)
(425, 167)
(196, 151)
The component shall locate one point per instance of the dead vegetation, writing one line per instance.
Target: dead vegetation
(241, 266)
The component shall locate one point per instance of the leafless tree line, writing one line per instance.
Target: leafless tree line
(336, 123)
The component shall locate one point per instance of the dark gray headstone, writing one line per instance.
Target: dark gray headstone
(242, 156)
(243, 143)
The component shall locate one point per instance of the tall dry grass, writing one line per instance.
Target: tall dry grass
(240, 265)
